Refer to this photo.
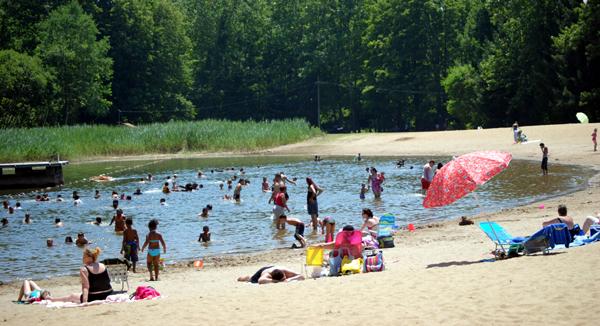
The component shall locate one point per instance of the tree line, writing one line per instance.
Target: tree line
(343, 64)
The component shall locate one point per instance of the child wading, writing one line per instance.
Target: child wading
(153, 241)
(131, 243)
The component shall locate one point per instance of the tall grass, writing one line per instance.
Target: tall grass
(78, 142)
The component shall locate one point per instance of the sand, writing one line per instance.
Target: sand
(438, 274)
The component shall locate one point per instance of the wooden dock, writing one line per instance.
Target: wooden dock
(31, 174)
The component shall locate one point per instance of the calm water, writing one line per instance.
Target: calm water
(242, 227)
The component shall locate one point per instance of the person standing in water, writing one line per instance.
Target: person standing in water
(238, 190)
(311, 202)
(594, 135)
(544, 150)
(375, 180)
(427, 176)
(119, 221)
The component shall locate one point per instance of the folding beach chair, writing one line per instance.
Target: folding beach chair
(385, 237)
(314, 258)
(347, 244)
(117, 271)
(547, 238)
(505, 243)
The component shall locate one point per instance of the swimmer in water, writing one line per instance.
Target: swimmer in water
(81, 239)
(265, 185)
(205, 235)
(58, 223)
(204, 212)
(97, 195)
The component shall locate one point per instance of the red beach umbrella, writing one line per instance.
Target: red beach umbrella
(462, 175)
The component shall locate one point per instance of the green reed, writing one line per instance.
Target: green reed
(85, 141)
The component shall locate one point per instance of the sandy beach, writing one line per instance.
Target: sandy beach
(439, 274)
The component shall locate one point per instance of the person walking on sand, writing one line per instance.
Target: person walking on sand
(427, 176)
(594, 135)
(544, 149)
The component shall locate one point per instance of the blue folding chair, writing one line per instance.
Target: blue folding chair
(501, 239)
(385, 231)
(547, 238)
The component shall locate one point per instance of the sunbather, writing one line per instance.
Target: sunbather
(562, 218)
(589, 221)
(272, 274)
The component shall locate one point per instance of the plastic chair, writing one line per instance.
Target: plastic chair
(547, 238)
(501, 239)
(385, 238)
(117, 271)
(314, 258)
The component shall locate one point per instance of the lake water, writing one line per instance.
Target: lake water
(237, 227)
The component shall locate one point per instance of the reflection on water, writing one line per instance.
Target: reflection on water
(237, 227)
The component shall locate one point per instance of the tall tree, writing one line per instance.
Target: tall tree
(151, 51)
(24, 90)
(82, 68)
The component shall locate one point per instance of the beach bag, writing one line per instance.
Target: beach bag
(374, 262)
(386, 241)
(145, 292)
(353, 266)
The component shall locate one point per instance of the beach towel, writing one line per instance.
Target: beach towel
(146, 292)
(115, 298)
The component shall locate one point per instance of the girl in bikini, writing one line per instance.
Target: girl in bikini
(153, 241)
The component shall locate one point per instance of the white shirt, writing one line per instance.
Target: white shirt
(427, 172)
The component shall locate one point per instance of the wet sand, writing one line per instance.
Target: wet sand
(440, 273)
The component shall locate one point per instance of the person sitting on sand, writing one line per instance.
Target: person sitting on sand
(81, 240)
(32, 292)
(272, 274)
(562, 218)
(119, 220)
(205, 235)
(299, 232)
(370, 222)
(95, 282)
(589, 221)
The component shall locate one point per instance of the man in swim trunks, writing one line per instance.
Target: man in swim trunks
(119, 221)
(271, 274)
(131, 243)
(427, 176)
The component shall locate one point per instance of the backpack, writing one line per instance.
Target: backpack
(374, 262)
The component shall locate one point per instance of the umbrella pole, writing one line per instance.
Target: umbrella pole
(490, 224)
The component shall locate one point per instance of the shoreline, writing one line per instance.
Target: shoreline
(442, 263)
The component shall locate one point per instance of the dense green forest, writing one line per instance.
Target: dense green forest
(341, 64)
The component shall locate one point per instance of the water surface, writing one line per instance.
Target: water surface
(238, 227)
